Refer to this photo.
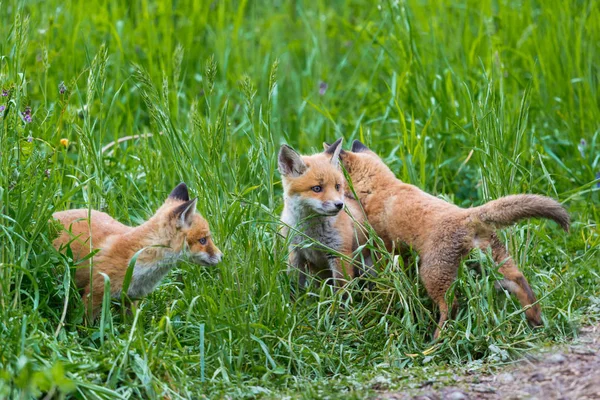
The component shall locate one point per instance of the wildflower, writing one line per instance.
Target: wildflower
(4, 93)
(30, 139)
(62, 88)
(2, 108)
(581, 147)
(322, 88)
(26, 115)
(64, 142)
(47, 173)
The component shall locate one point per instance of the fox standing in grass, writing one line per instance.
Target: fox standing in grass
(443, 233)
(176, 230)
(313, 202)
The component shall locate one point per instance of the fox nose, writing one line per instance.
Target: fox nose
(339, 204)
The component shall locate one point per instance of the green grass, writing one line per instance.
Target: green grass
(470, 100)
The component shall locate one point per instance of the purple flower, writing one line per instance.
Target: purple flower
(62, 88)
(322, 88)
(4, 93)
(30, 139)
(2, 108)
(27, 115)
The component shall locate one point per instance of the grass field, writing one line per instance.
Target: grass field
(469, 100)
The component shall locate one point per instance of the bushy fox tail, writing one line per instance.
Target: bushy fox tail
(507, 210)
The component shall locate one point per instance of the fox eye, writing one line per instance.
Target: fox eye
(337, 187)
(317, 189)
(202, 241)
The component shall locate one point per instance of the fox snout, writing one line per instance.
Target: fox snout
(204, 258)
(216, 258)
(333, 207)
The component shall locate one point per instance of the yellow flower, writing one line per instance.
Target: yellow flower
(64, 142)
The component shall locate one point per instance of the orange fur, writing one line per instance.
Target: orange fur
(443, 233)
(317, 214)
(175, 227)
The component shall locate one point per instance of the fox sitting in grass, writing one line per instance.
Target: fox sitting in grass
(176, 230)
(314, 197)
(443, 233)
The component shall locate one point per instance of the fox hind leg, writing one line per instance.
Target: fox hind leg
(515, 282)
(437, 275)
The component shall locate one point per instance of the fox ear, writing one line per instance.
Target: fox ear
(290, 162)
(358, 147)
(180, 192)
(184, 213)
(326, 147)
(335, 150)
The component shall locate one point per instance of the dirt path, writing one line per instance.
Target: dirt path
(566, 372)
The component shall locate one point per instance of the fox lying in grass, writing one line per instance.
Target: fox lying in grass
(313, 202)
(442, 233)
(176, 230)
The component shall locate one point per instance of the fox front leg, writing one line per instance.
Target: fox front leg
(297, 263)
(341, 271)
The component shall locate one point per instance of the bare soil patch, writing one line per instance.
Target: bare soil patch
(563, 372)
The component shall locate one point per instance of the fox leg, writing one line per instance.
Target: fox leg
(515, 282)
(340, 269)
(297, 262)
(438, 276)
(130, 306)
(93, 304)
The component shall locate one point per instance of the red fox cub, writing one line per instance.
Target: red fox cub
(443, 233)
(313, 202)
(176, 230)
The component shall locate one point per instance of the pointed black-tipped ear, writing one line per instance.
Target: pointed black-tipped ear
(180, 192)
(290, 162)
(358, 147)
(326, 146)
(335, 150)
(184, 213)
(332, 148)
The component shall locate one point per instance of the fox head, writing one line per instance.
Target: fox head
(188, 231)
(366, 169)
(314, 184)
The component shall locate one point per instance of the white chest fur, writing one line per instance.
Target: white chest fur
(146, 276)
(320, 230)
